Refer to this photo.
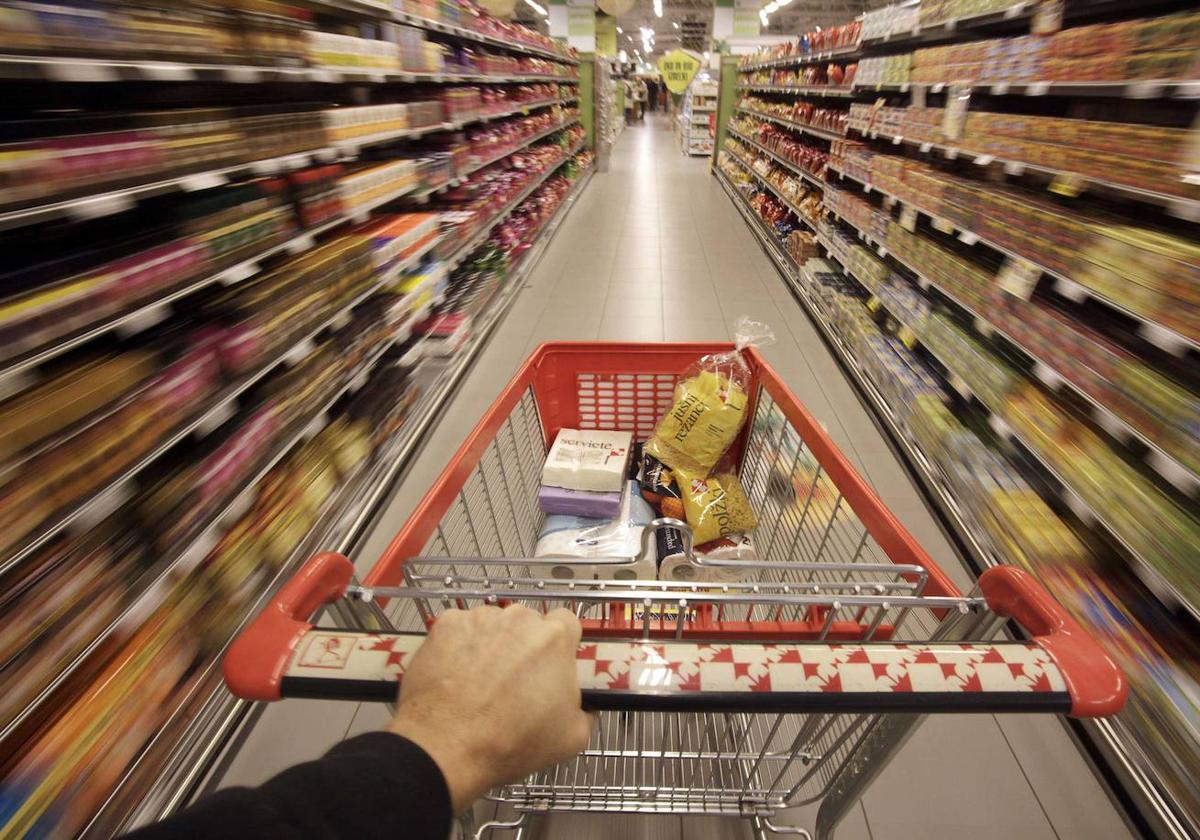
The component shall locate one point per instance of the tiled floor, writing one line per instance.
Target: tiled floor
(654, 250)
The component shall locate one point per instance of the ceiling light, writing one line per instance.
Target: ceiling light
(537, 8)
(658, 9)
(762, 15)
(620, 31)
(676, 25)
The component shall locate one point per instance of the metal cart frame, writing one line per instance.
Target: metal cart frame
(795, 684)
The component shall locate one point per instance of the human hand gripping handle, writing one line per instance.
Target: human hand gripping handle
(492, 696)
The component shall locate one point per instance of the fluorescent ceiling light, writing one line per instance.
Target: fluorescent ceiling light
(762, 16)
(658, 8)
(537, 8)
(676, 25)
(620, 31)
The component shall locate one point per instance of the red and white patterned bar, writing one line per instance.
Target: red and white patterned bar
(728, 676)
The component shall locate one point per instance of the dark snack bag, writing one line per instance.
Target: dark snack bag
(657, 481)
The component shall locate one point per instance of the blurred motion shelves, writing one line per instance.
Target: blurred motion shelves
(14, 373)
(190, 742)
(1086, 512)
(98, 503)
(1184, 208)
(1158, 334)
(103, 70)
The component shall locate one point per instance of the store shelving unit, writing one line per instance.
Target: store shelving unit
(199, 716)
(695, 118)
(1145, 749)
(192, 744)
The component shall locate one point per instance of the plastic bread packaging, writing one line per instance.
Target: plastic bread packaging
(710, 406)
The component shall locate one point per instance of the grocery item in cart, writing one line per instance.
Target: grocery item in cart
(578, 502)
(582, 459)
(716, 506)
(577, 539)
(675, 563)
(658, 482)
(710, 406)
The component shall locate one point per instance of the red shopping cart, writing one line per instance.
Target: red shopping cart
(796, 682)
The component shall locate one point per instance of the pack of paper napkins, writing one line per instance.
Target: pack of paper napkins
(600, 489)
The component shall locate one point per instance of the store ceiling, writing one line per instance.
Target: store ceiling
(798, 16)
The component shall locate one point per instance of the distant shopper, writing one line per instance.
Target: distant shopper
(641, 92)
(652, 94)
(630, 101)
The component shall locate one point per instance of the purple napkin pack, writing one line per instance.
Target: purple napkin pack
(579, 502)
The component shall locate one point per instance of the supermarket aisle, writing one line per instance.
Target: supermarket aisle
(655, 251)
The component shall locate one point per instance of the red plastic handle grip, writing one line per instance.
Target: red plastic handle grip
(258, 657)
(1096, 684)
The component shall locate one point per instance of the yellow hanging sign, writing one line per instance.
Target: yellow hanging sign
(678, 68)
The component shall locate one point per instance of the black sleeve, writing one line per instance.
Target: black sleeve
(374, 786)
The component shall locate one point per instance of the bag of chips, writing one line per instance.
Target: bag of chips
(716, 506)
(710, 406)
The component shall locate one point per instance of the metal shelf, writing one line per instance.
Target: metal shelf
(794, 126)
(481, 235)
(1182, 477)
(104, 70)
(147, 592)
(774, 191)
(784, 162)
(1160, 335)
(1142, 89)
(1082, 509)
(1184, 208)
(342, 528)
(115, 201)
(14, 376)
(104, 497)
(838, 54)
(1111, 736)
(807, 90)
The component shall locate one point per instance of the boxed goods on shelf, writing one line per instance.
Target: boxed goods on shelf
(1162, 410)
(347, 52)
(76, 157)
(315, 194)
(885, 70)
(939, 11)
(890, 20)
(268, 32)
(367, 185)
(984, 373)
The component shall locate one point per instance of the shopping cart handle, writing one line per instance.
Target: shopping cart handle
(1095, 682)
(254, 665)
(1061, 670)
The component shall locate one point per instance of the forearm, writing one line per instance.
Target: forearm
(378, 785)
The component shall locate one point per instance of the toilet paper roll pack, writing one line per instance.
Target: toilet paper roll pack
(577, 539)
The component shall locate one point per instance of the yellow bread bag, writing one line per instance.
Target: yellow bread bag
(709, 408)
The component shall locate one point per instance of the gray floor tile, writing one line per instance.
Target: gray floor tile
(631, 329)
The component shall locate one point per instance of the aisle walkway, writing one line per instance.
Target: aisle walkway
(655, 250)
